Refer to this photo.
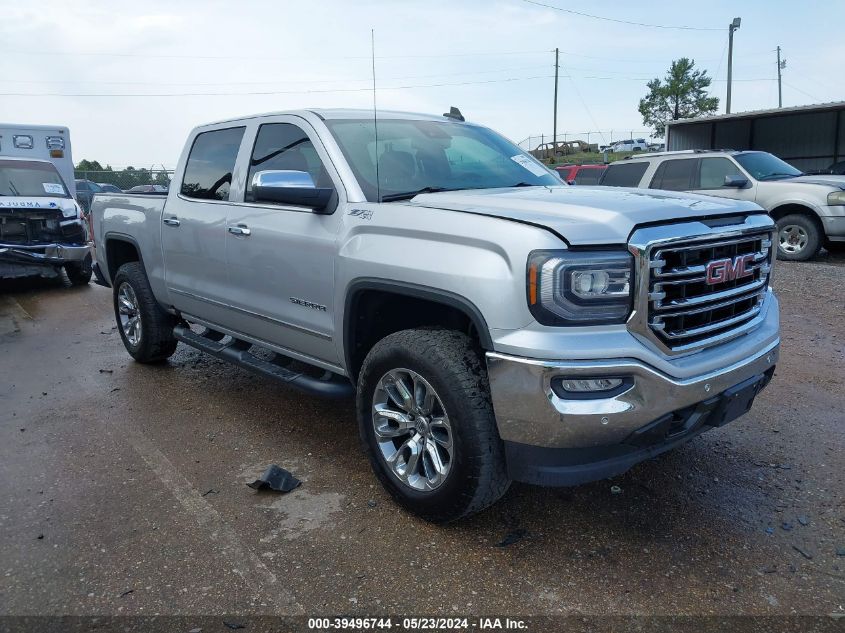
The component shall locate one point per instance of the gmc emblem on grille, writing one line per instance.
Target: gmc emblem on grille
(721, 270)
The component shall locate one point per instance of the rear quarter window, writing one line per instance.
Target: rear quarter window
(208, 173)
(624, 174)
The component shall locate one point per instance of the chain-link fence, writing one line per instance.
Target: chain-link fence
(568, 143)
(125, 179)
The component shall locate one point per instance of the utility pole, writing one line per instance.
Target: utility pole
(733, 26)
(781, 66)
(554, 132)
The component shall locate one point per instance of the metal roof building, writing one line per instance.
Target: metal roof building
(809, 137)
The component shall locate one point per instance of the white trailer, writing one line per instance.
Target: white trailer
(45, 142)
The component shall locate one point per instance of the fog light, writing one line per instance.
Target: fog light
(581, 385)
(596, 388)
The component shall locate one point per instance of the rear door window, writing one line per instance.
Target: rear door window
(208, 174)
(675, 175)
(624, 174)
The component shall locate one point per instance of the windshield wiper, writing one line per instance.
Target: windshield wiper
(407, 195)
(779, 175)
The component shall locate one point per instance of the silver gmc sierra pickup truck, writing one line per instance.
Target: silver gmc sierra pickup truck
(493, 323)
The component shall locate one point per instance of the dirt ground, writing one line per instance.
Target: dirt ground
(124, 493)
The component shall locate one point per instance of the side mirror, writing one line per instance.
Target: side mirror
(288, 186)
(736, 181)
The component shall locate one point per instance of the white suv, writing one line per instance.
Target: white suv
(630, 145)
(809, 210)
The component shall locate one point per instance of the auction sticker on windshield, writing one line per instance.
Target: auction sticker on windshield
(530, 165)
(53, 187)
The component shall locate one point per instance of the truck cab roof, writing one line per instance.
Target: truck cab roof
(339, 113)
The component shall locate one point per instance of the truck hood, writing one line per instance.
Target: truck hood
(585, 215)
(22, 204)
(837, 182)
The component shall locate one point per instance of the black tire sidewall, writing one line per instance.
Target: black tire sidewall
(148, 349)
(814, 238)
(450, 499)
(80, 273)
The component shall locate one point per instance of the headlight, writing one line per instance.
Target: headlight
(580, 287)
(71, 212)
(836, 197)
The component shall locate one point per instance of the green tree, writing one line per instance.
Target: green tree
(682, 94)
(91, 165)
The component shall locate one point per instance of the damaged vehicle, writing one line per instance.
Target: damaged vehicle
(42, 231)
(493, 323)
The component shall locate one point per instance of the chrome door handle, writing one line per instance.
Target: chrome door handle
(171, 221)
(239, 230)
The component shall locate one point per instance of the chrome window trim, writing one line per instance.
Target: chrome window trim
(647, 240)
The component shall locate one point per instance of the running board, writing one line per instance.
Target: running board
(237, 352)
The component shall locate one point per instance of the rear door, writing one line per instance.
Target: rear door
(675, 175)
(280, 258)
(193, 231)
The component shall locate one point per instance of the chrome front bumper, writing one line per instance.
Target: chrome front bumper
(529, 412)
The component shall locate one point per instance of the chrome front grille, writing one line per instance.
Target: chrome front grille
(679, 307)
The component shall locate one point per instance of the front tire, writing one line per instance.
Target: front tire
(146, 329)
(799, 238)
(427, 425)
(79, 273)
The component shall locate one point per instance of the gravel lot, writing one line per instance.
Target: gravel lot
(123, 492)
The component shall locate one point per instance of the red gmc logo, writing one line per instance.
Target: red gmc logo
(721, 270)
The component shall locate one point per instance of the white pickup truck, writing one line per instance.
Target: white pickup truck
(493, 323)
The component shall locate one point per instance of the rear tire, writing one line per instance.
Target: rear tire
(79, 273)
(453, 431)
(146, 329)
(799, 237)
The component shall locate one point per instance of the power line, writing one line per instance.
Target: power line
(606, 19)
(254, 83)
(331, 90)
(266, 58)
(816, 99)
(267, 92)
(581, 99)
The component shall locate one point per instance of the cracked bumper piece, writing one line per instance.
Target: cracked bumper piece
(17, 260)
(553, 440)
(47, 254)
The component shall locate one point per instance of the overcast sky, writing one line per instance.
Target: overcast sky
(492, 58)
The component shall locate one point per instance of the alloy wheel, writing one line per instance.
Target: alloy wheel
(130, 314)
(792, 238)
(412, 430)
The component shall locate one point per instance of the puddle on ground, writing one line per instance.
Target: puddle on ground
(302, 510)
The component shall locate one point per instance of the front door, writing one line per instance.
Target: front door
(711, 179)
(280, 258)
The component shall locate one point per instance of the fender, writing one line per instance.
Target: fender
(437, 295)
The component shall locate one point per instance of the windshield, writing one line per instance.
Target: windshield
(415, 155)
(764, 166)
(30, 179)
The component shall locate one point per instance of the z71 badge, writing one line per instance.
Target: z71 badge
(364, 214)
